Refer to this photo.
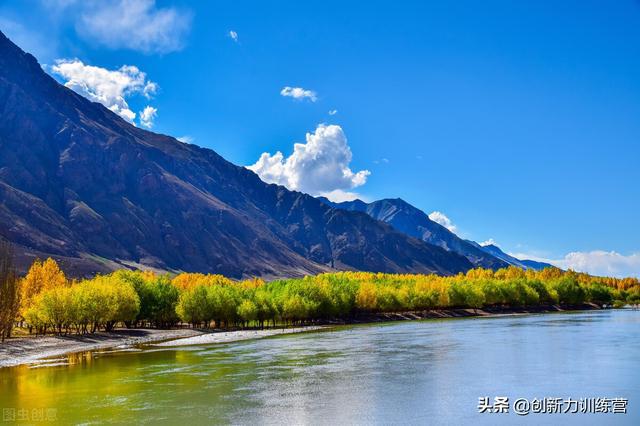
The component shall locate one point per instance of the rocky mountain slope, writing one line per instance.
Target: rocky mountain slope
(79, 183)
(520, 263)
(414, 222)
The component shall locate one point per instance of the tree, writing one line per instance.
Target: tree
(9, 291)
(546, 294)
(54, 309)
(194, 306)
(158, 297)
(247, 311)
(267, 309)
(600, 293)
(123, 300)
(569, 291)
(367, 297)
(41, 276)
(294, 308)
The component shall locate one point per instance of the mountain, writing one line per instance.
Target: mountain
(80, 184)
(520, 263)
(414, 222)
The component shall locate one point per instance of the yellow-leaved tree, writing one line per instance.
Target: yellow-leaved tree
(367, 297)
(42, 276)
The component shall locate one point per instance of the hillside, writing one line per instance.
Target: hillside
(414, 222)
(511, 260)
(79, 183)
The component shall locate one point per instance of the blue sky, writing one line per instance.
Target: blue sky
(519, 121)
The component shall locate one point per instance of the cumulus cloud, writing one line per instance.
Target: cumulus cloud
(147, 116)
(108, 87)
(596, 262)
(600, 262)
(333, 112)
(299, 93)
(339, 196)
(489, 242)
(150, 88)
(443, 220)
(321, 166)
(233, 35)
(134, 24)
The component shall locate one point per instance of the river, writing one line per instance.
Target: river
(413, 372)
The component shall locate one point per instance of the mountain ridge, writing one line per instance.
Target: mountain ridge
(80, 183)
(514, 261)
(414, 222)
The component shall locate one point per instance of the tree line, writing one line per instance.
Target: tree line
(45, 301)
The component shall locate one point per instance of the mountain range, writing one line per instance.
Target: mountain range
(497, 252)
(82, 185)
(414, 222)
(79, 183)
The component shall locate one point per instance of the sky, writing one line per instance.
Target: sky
(516, 123)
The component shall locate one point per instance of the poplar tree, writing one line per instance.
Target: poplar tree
(9, 291)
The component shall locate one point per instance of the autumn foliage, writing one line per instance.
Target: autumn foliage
(51, 303)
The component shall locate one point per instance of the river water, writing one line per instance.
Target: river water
(413, 372)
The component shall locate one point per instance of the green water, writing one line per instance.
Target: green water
(421, 372)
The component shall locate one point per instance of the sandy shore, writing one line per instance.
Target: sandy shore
(31, 350)
(234, 336)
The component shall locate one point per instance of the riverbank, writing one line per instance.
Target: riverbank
(28, 350)
(234, 336)
(464, 312)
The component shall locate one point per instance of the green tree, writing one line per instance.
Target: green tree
(247, 311)
(569, 291)
(600, 294)
(194, 306)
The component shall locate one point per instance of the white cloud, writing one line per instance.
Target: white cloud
(134, 24)
(147, 116)
(233, 35)
(600, 262)
(382, 160)
(443, 220)
(333, 112)
(596, 262)
(299, 93)
(110, 88)
(186, 139)
(339, 196)
(489, 242)
(318, 167)
(150, 88)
